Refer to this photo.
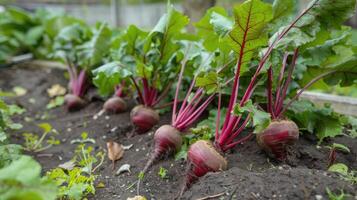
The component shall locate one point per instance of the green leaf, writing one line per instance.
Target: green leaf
(322, 18)
(339, 168)
(340, 147)
(56, 24)
(318, 54)
(212, 26)
(282, 8)
(34, 35)
(168, 28)
(209, 82)
(46, 127)
(210, 122)
(9, 153)
(333, 13)
(108, 76)
(21, 180)
(328, 128)
(222, 25)
(93, 52)
(143, 70)
(248, 34)
(322, 122)
(58, 101)
(19, 15)
(261, 119)
(132, 37)
(25, 170)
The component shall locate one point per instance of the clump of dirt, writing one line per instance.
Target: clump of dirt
(251, 174)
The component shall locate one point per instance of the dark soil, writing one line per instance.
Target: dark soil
(251, 174)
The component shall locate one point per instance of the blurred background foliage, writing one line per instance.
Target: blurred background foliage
(145, 13)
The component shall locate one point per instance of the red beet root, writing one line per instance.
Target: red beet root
(74, 102)
(144, 118)
(203, 158)
(115, 104)
(167, 139)
(277, 136)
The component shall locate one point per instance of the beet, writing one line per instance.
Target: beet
(144, 118)
(277, 136)
(203, 158)
(167, 139)
(73, 102)
(115, 104)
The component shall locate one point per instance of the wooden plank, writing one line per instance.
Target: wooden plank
(341, 104)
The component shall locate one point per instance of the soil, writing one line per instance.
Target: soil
(250, 175)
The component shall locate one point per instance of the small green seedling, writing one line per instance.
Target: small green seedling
(346, 174)
(141, 175)
(56, 102)
(86, 158)
(84, 139)
(334, 196)
(78, 182)
(333, 149)
(34, 143)
(162, 172)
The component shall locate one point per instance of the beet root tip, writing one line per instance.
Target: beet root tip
(74, 102)
(277, 136)
(144, 118)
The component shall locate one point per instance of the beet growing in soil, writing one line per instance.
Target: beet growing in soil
(250, 174)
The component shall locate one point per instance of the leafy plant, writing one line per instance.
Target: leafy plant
(82, 49)
(334, 196)
(22, 180)
(333, 149)
(346, 174)
(308, 117)
(8, 152)
(56, 102)
(23, 32)
(35, 143)
(162, 172)
(78, 182)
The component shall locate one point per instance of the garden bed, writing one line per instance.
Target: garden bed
(251, 174)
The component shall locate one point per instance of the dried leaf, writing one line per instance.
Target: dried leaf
(56, 90)
(136, 198)
(115, 151)
(19, 91)
(100, 185)
(69, 165)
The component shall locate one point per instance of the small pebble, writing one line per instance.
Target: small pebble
(127, 147)
(122, 169)
(114, 129)
(318, 197)
(107, 117)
